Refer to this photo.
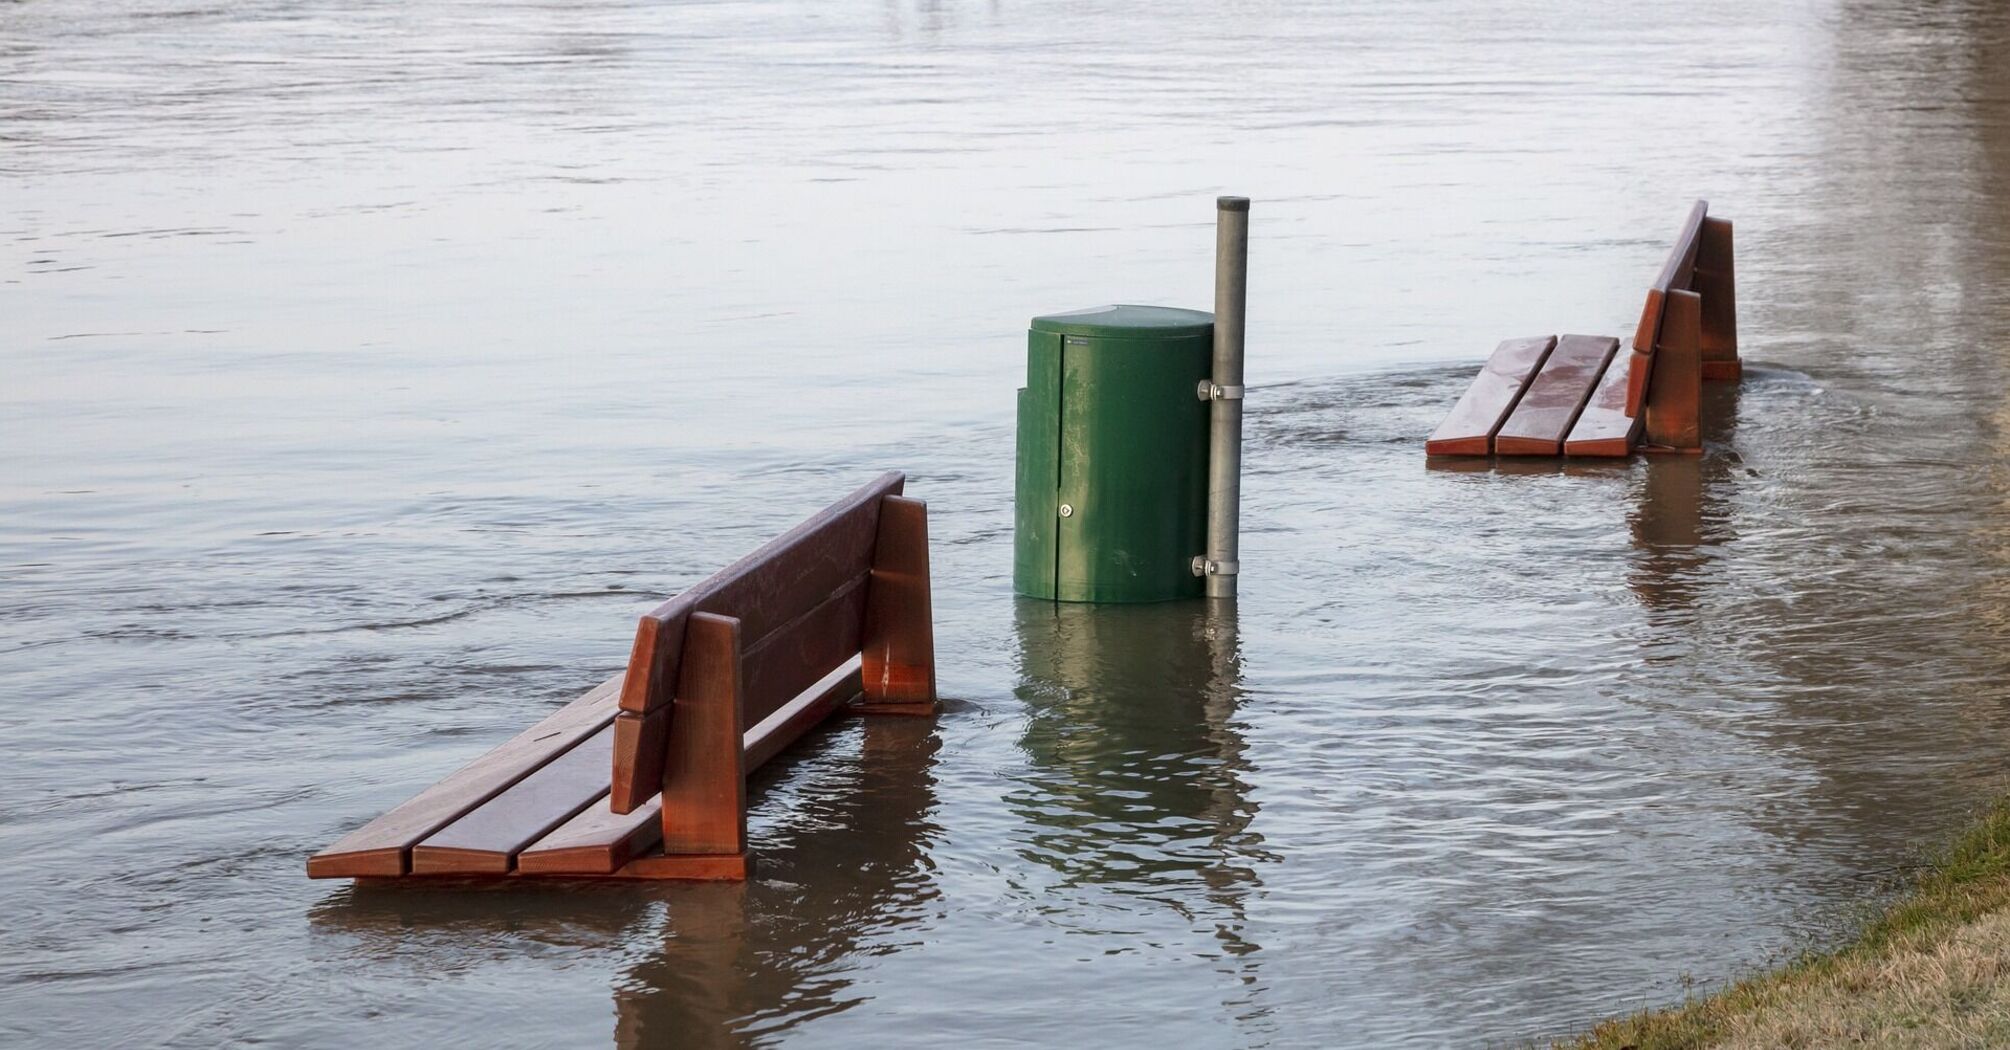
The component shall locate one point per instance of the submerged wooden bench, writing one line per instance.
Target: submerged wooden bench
(1580, 395)
(644, 777)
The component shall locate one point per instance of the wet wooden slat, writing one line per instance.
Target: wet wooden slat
(487, 840)
(1604, 428)
(793, 575)
(640, 744)
(696, 867)
(1555, 397)
(1470, 429)
(382, 847)
(1679, 268)
(599, 840)
(765, 590)
(825, 697)
(799, 653)
(595, 842)
(1677, 273)
(1716, 281)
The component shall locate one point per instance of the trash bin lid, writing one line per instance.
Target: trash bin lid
(1127, 322)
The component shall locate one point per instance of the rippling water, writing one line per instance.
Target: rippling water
(367, 367)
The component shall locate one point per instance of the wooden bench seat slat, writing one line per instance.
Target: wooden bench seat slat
(1487, 403)
(382, 847)
(1604, 428)
(1555, 396)
(487, 840)
(599, 841)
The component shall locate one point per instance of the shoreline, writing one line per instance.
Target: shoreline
(1932, 969)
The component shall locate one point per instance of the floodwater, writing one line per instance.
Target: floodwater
(366, 367)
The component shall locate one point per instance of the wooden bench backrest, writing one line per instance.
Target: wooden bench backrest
(786, 595)
(1678, 273)
(800, 603)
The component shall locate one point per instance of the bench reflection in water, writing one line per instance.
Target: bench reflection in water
(844, 865)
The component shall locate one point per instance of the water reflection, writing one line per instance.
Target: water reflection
(841, 831)
(845, 875)
(1679, 510)
(1138, 767)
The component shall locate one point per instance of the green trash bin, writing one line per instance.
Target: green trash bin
(1112, 479)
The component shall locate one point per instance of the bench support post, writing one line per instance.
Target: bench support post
(705, 782)
(898, 647)
(1675, 394)
(641, 743)
(1716, 281)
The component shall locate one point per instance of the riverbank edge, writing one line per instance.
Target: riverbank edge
(1965, 884)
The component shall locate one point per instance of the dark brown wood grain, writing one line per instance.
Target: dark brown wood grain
(1678, 269)
(898, 650)
(1716, 281)
(1604, 428)
(1469, 429)
(596, 841)
(796, 654)
(714, 867)
(486, 840)
(704, 787)
(824, 698)
(640, 744)
(382, 847)
(1555, 397)
(1676, 274)
(779, 581)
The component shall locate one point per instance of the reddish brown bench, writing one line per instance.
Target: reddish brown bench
(644, 777)
(1581, 396)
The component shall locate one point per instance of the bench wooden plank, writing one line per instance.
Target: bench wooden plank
(798, 654)
(765, 590)
(1678, 271)
(770, 589)
(1604, 428)
(595, 842)
(825, 697)
(1717, 282)
(1555, 396)
(1470, 429)
(640, 744)
(382, 847)
(487, 840)
(600, 841)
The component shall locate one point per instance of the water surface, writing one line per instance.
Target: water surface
(367, 367)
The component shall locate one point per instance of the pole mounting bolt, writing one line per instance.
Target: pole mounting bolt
(1204, 567)
(1208, 390)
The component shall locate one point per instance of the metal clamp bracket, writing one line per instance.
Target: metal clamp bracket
(1204, 567)
(1208, 391)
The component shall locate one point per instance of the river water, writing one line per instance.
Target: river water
(367, 367)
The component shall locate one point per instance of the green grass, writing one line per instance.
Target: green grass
(1931, 970)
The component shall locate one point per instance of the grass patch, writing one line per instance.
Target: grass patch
(1932, 970)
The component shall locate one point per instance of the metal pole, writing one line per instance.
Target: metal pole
(1224, 452)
